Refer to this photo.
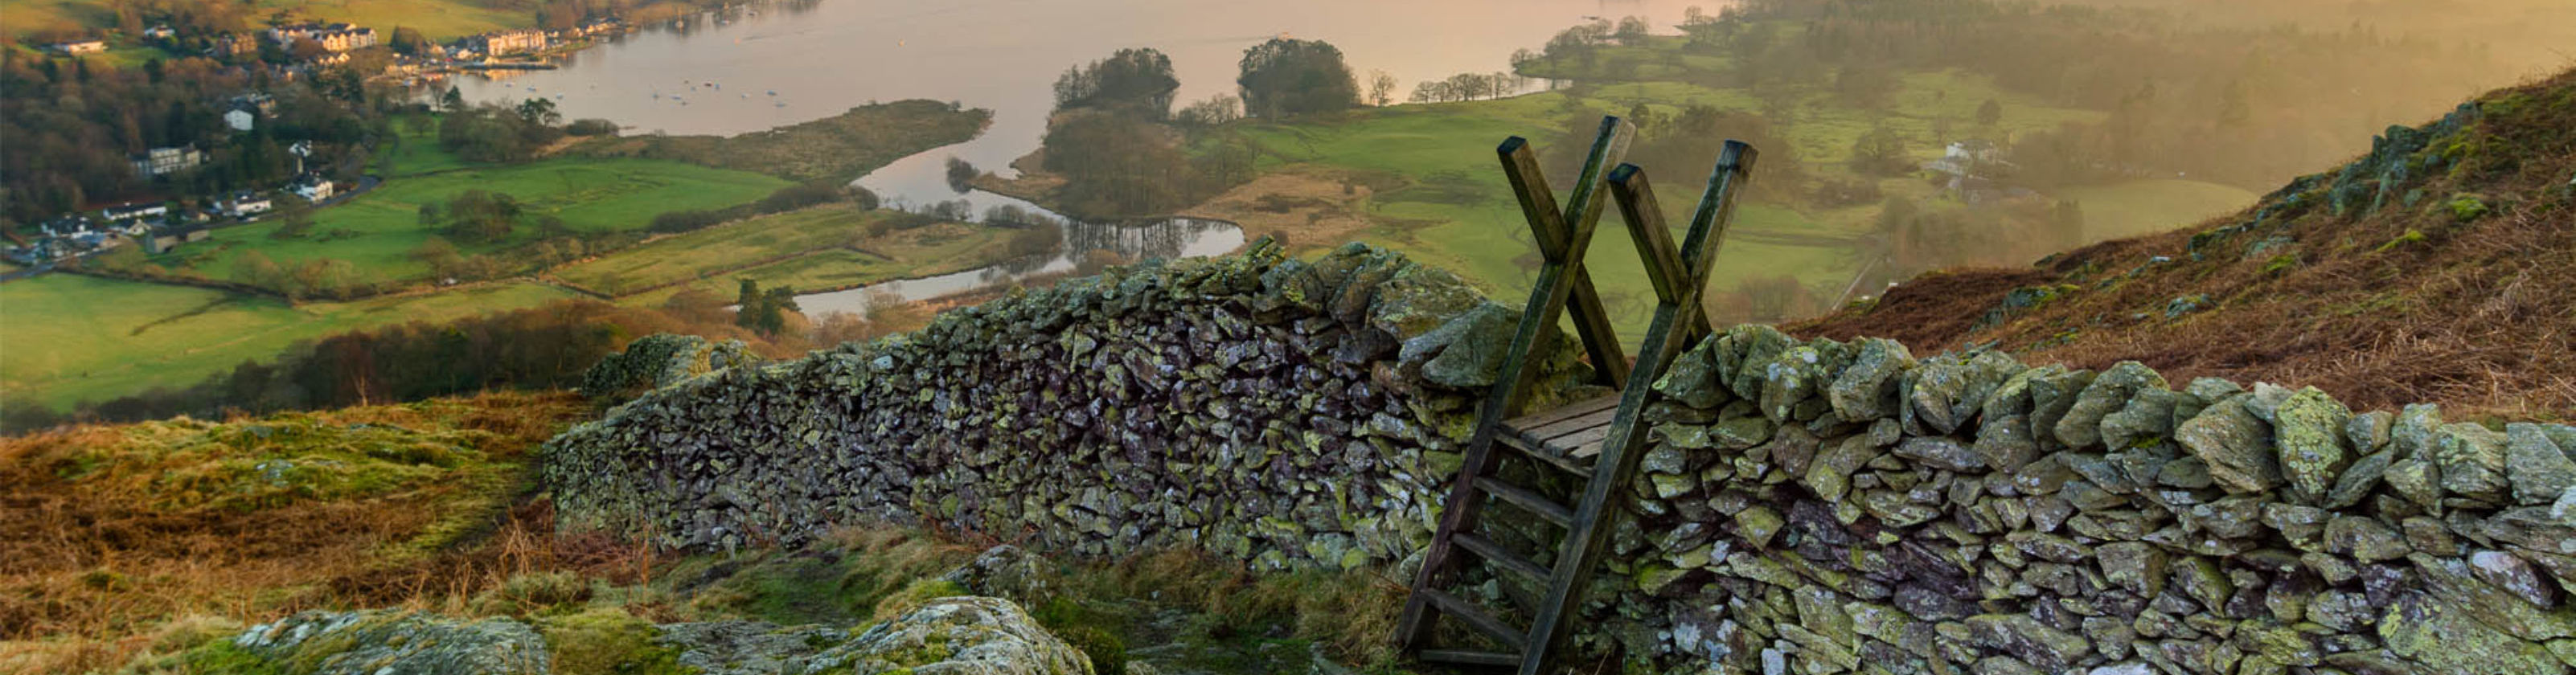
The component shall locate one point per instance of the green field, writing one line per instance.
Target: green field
(719, 249)
(1441, 200)
(383, 226)
(67, 338)
(1465, 219)
(416, 150)
(820, 260)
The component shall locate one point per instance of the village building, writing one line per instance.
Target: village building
(240, 120)
(244, 204)
(134, 210)
(232, 44)
(1972, 166)
(312, 188)
(160, 162)
(161, 32)
(337, 37)
(164, 241)
(77, 47)
(257, 102)
(498, 43)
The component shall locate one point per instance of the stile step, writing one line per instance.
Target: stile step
(1528, 501)
(1487, 549)
(1477, 619)
(1469, 657)
(1563, 462)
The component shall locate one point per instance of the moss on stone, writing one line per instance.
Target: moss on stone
(606, 642)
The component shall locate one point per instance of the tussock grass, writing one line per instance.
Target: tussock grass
(122, 543)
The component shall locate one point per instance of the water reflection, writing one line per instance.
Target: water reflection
(1165, 238)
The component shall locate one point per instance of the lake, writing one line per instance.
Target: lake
(787, 62)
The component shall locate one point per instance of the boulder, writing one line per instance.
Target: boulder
(2236, 446)
(394, 641)
(965, 635)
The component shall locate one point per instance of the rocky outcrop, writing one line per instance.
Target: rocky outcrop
(1278, 411)
(371, 642)
(1807, 506)
(957, 636)
(661, 360)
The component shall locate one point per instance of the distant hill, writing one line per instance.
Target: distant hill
(2439, 267)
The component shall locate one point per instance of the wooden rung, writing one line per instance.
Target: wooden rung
(1487, 549)
(1592, 420)
(1577, 409)
(1550, 456)
(1471, 658)
(1528, 501)
(1475, 618)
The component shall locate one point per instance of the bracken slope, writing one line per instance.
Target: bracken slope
(2441, 267)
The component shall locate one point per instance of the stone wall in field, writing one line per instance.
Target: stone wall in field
(1805, 507)
(1285, 412)
(1825, 507)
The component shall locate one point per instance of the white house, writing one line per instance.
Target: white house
(161, 32)
(338, 37)
(163, 161)
(313, 189)
(245, 204)
(240, 120)
(124, 212)
(78, 47)
(1968, 158)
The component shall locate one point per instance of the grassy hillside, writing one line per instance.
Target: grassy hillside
(820, 248)
(146, 547)
(72, 338)
(377, 231)
(117, 541)
(1422, 179)
(2434, 269)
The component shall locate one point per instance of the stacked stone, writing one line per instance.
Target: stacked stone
(1826, 507)
(1285, 413)
(661, 360)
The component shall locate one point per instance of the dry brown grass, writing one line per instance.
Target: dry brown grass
(2408, 304)
(104, 560)
(1307, 210)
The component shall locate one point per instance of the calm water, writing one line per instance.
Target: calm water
(821, 57)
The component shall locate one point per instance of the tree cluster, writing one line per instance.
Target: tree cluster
(1466, 87)
(72, 127)
(479, 217)
(1135, 82)
(493, 132)
(764, 311)
(1286, 78)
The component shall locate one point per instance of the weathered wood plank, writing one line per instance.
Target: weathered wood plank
(1568, 426)
(1575, 409)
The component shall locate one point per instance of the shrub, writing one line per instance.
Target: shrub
(591, 127)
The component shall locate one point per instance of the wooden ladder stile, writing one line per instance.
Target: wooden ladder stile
(1560, 439)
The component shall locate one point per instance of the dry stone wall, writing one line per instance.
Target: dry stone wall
(1285, 412)
(1806, 507)
(1826, 507)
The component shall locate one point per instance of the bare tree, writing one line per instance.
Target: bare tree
(1381, 88)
